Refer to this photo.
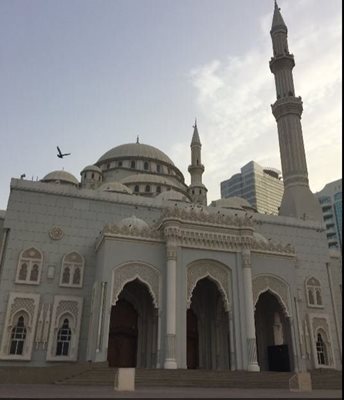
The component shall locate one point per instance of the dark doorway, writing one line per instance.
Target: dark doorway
(279, 358)
(192, 340)
(122, 345)
(207, 328)
(273, 333)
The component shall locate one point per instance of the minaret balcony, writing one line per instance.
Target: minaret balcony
(196, 168)
(286, 106)
(282, 61)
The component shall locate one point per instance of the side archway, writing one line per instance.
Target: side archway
(216, 272)
(276, 286)
(128, 272)
(273, 325)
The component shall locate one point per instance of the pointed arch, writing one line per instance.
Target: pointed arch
(275, 285)
(216, 272)
(145, 273)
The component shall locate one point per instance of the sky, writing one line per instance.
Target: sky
(89, 75)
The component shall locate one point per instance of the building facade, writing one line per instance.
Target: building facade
(130, 265)
(261, 187)
(330, 199)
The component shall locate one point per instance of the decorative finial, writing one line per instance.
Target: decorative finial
(138, 139)
(195, 126)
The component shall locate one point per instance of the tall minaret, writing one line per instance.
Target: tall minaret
(196, 190)
(298, 201)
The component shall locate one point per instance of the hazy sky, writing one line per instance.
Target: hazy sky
(89, 75)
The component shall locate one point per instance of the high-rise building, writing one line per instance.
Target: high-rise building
(261, 187)
(330, 199)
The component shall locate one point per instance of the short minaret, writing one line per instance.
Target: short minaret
(196, 190)
(298, 201)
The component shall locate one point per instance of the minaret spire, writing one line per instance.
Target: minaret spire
(196, 190)
(298, 201)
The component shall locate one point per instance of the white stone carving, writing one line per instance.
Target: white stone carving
(65, 307)
(136, 270)
(56, 233)
(262, 283)
(215, 271)
(20, 305)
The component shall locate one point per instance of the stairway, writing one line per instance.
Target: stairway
(326, 379)
(103, 375)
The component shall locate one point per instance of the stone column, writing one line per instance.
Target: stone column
(249, 312)
(171, 288)
(231, 342)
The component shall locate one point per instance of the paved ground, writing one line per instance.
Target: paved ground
(64, 391)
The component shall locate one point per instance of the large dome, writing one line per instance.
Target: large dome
(135, 150)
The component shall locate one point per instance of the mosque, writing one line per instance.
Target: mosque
(131, 266)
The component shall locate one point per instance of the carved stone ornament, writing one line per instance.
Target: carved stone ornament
(271, 247)
(196, 213)
(266, 282)
(204, 268)
(146, 233)
(56, 233)
(145, 273)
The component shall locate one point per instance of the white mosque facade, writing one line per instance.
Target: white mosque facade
(130, 265)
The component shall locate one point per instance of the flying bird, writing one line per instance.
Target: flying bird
(60, 155)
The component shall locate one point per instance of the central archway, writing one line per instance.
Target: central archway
(273, 333)
(133, 328)
(207, 328)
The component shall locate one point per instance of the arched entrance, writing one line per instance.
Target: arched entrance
(273, 333)
(133, 328)
(192, 340)
(207, 328)
(122, 345)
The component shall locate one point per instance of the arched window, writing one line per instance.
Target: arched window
(76, 276)
(120, 163)
(313, 290)
(321, 350)
(29, 266)
(146, 166)
(158, 189)
(34, 273)
(72, 270)
(147, 188)
(158, 168)
(18, 336)
(132, 164)
(136, 189)
(64, 336)
(66, 275)
(318, 297)
(23, 272)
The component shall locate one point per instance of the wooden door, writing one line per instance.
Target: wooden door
(122, 346)
(192, 340)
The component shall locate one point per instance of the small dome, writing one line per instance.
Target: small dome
(92, 168)
(133, 222)
(63, 177)
(115, 187)
(172, 195)
(135, 150)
